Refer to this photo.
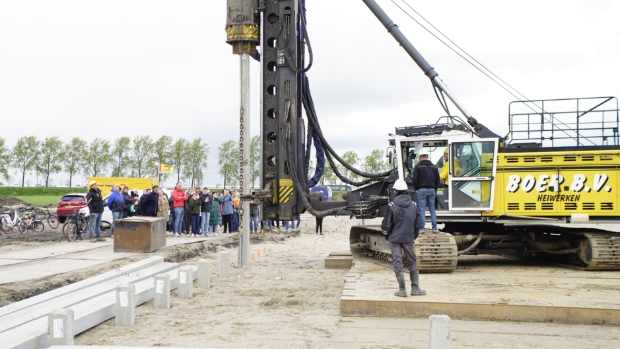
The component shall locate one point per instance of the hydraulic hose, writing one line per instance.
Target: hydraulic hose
(473, 245)
(328, 148)
(347, 180)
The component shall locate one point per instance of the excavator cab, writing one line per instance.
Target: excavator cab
(472, 174)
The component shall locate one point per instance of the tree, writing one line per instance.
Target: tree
(228, 162)
(375, 162)
(97, 157)
(5, 158)
(162, 154)
(352, 159)
(178, 156)
(120, 155)
(72, 158)
(196, 156)
(25, 154)
(328, 174)
(50, 158)
(255, 159)
(141, 154)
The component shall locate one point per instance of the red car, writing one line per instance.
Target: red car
(69, 205)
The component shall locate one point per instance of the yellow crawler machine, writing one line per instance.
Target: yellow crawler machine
(547, 190)
(530, 195)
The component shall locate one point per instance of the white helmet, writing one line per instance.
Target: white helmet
(400, 185)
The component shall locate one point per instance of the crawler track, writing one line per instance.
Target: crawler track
(436, 252)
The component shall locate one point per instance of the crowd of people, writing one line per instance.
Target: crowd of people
(192, 212)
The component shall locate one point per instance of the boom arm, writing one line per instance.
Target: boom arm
(393, 29)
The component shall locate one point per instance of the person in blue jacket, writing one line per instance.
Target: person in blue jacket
(116, 204)
(227, 211)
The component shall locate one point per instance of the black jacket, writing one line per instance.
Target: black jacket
(206, 206)
(128, 200)
(425, 175)
(94, 200)
(402, 221)
(150, 205)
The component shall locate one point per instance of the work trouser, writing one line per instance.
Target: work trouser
(187, 222)
(319, 225)
(195, 223)
(226, 221)
(426, 197)
(179, 213)
(94, 225)
(115, 216)
(205, 221)
(253, 222)
(397, 256)
(286, 223)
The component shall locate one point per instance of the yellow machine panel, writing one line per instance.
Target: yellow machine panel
(557, 184)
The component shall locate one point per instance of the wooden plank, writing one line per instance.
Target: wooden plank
(338, 262)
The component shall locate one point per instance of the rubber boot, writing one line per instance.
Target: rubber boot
(402, 290)
(415, 284)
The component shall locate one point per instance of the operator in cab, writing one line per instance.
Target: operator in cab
(443, 175)
(401, 226)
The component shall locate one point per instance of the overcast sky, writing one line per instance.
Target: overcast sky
(135, 67)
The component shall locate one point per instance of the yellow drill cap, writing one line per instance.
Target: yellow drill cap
(445, 151)
(91, 183)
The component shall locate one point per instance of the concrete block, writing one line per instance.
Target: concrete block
(88, 314)
(162, 291)
(204, 273)
(439, 332)
(126, 305)
(224, 264)
(60, 327)
(47, 296)
(186, 282)
(139, 234)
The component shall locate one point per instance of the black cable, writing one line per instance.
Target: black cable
(347, 180)
(310, 113)
(308, 150)
(442, 103)
(306, 39)
(478, 68)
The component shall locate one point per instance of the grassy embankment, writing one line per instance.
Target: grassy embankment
(39, 196)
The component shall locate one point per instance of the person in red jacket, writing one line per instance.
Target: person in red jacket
(178, 202)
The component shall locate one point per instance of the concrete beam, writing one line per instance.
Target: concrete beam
(111, 347)
(65, 301)
(88, 314)
(11, 308)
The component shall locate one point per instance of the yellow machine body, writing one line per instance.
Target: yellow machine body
(557, 183)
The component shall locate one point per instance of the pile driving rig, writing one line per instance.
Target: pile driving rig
(546, 190)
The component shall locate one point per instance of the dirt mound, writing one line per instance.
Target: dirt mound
(11, 201)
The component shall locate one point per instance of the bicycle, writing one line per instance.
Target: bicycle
(75, 225)
(52, 220)
(13, 220)
(31, 220)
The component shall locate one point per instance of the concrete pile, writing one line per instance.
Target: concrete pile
(55, 317)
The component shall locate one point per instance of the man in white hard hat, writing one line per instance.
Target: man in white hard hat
(401, 226)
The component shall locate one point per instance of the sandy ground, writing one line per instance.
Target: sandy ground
(286, 299)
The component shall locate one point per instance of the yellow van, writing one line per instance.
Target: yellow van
(106, 183)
